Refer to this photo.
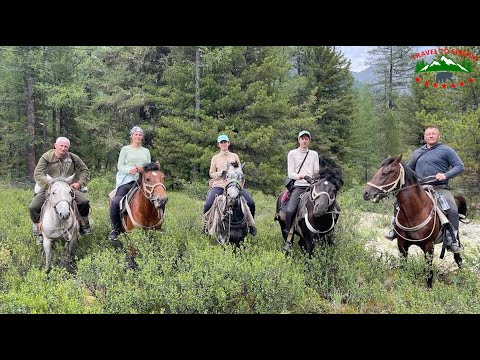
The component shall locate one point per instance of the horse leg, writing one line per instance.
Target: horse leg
(131, 263)
(456, 256)
(403, 248)
(307, 245)
(428, 251)
(458, 260)
(71, 264)
(47, 249)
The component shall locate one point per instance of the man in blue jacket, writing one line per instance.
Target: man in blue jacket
(439, 161)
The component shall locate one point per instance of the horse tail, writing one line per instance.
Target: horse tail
(462, 207)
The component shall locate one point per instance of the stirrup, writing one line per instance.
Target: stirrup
(391, 235)
(454, 248)
(113, 235)
(39, 239)
(85, 230)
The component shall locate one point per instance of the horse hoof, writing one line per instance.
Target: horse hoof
(117, 244)
(288, 246)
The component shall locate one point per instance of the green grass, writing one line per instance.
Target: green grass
(183, 271)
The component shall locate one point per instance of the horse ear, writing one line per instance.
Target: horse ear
(242, 165)
(70, 178)
(399, 158)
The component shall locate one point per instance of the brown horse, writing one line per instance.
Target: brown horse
(417, 221)
(145, 204)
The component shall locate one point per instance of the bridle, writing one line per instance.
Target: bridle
(147, 191)
(54, 205)
(70, 206)
(400, 181)
(313, 196)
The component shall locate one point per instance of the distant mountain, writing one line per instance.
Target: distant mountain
(366, 76)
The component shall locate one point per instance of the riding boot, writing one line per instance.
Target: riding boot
(452, 244)
(288, 243)
(391, 235)
(38, 236)
(85, 226)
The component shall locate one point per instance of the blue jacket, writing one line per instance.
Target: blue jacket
(439, 158)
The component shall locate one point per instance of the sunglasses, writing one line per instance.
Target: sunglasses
(223, 142)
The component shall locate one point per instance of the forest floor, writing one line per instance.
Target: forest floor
(469, 238)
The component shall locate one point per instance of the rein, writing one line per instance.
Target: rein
(147, 191)
(400, 180)
(228, 209)
(394, 191)
(62, 222)
(314, 195)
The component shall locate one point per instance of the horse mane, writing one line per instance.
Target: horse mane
(332, 175)
(151, 166)
(58, 178)
(410, 176)
(234, 164)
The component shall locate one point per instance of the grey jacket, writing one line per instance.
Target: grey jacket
(439, 158)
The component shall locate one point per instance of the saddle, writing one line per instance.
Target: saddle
(212, 219)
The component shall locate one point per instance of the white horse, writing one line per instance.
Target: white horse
(59, 219)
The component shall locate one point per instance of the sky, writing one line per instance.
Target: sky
(358, 55)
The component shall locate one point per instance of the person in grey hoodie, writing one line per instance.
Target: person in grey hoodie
(439, 162)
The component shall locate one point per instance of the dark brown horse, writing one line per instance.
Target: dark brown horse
(417, 221)
(316, 212)
(145, 204)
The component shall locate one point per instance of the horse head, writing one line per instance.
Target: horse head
(389, 177)
(235, 179)
(152, 185)
(323, 190)
(61, 196)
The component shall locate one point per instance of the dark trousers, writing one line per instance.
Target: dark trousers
(452, 213)
(35, 207)
(122, 190)
(219, 190)
(292, 205)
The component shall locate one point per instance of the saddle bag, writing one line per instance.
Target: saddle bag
(289, 184)
(442, 201)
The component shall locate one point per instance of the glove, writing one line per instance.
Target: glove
(307, 178)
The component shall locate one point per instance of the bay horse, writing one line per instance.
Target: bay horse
(144, 205)
(229, 217)
(59, 220)
(317, 213)
(418, 221)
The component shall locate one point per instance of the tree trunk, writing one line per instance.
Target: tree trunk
(30, 149)
(197, 85)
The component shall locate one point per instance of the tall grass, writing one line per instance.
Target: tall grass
(183, 271)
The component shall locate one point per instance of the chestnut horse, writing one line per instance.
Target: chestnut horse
(417, 221)
(145, 204)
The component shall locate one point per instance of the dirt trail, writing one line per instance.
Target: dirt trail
(469, 237)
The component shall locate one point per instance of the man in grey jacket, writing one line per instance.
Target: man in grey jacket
(439, 162)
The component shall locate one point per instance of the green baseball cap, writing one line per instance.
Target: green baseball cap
(222, 138)
(304, 132)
